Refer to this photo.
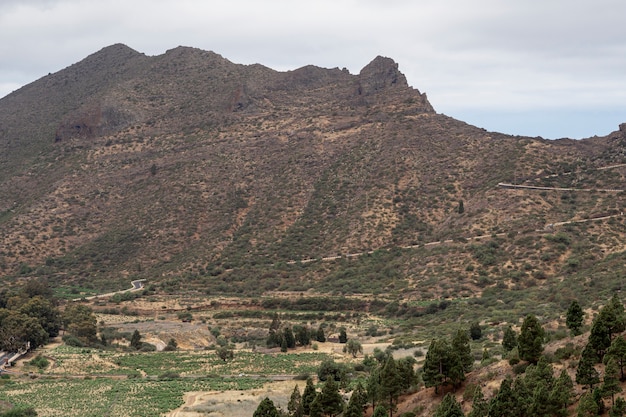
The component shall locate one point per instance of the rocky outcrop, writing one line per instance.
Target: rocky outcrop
(382, 79)
(380, 74)
(93, 121)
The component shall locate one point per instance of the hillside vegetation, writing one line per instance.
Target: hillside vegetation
(255, 204)
(203, 175)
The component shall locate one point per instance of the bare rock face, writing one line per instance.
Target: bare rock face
(92, 121)
(380, 74)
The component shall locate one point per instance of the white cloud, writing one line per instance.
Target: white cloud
(484, 55)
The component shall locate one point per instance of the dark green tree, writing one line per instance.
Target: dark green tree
(434, 368)
(316, 409)
(390, 384)
(619, 409)
(540, 401)
(294, 406)
(587, 406)
(171, 345)
(308, 395)
(461, 208)
(266, 409)
(461, 347)
(80, 321)
(380, 411)
(509, 341)
(406, 369)
(303, 335)
(574, 318)
(20, 332)
(45, 312)
(586, 373)
(480, 406)
(542, 372)
(289, 338)
(449, 407)
(476, 332)
(610, 382)
(597, 396)
(504, 402)
(617, 351)
(343, 336)
(373, 386)
(562, 394)
(329, 369)
(357, 402)
(320, 336)
(530, 341)
(330, 399)
(225, 353)
(283, 345)
(610, 320)
(135, 340)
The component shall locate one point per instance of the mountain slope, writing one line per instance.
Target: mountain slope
(190, 170)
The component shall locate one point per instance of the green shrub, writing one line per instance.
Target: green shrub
(40, 362)
(70, 340)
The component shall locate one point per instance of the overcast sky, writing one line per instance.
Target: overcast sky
(550, 68)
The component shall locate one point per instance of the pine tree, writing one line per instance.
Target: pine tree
(542, 372)
(408, 377)
(597, 397)
(523, 398)
(343, 336)
(295, 403)
(266, 409)
(316, 409)
(461, 347)
(586, 373)
(609, 321)
(308, 396)
(619, 409)
(461, 207)
(373, 386)
(330, 399)
(357, 402)
(504, 401)
(320, 336)
(475, 331)
(617, 351)
(587, 406)
(540, 404)
(283, 345)
(509, 341)
(480, 406)
(574, 318)
(561, 394)
(380, 411)
(290, 340)
(449, 407)
(303, 335)
(435, 364)
(390, 384)
(530, 341)
(610, 382)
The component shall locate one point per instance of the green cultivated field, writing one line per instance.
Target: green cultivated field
(108, 397)
(90, 382)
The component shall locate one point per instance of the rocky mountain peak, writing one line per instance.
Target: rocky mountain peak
(380, 74)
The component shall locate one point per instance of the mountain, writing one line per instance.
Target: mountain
(197, 173)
